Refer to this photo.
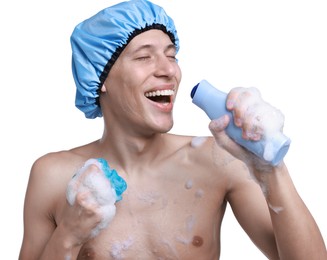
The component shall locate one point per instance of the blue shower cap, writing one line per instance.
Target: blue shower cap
(98, 41)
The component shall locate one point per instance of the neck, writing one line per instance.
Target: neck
(129, 151)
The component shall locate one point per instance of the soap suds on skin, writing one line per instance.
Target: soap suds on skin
(153, 199)
(199, 193)
(150, 197)
(275, 208)
(187, 230)
(190, 223)
(189, 237)
(118, 248)
(171, 250)
(189, 184)
(198, 141)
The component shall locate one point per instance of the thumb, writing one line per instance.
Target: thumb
(217, 126)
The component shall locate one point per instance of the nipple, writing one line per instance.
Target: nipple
(197, 241)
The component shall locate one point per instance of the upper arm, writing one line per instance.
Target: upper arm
(251, 211)
(39, 208)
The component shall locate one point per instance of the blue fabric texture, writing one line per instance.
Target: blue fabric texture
(98, 41)
(116, 181)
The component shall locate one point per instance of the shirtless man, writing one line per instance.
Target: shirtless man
(177, 186)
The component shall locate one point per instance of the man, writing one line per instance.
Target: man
(178, 187)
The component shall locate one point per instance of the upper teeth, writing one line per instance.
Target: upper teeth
(166, 92)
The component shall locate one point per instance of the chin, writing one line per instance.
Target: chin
(165, 127)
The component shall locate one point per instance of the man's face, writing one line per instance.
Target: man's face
(142, 84)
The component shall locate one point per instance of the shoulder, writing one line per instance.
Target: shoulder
(54, 170)
(202, 150)
(203, 154)
(56, 163)
(45, 196)
(61, 163)
(48, 179)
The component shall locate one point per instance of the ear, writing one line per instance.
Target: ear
(103, 88)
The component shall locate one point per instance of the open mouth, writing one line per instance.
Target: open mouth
(160, 96)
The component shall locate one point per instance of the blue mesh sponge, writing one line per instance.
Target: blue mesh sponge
(117, 182)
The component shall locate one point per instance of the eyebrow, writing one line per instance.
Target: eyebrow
(150, 46)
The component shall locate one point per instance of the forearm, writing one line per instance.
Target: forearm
(296, 232)
(60, 246)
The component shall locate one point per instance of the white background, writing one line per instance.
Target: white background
(277, 46)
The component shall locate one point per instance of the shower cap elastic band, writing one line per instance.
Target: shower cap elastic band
(98, 41)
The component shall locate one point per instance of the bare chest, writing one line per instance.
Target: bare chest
(156, 237)
(160, 223)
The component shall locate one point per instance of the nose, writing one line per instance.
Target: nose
(166, 66)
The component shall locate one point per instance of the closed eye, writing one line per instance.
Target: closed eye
(143, 58)
(172, 58)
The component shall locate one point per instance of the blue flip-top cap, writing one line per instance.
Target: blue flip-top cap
(194, 90)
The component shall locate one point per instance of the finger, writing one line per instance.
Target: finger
(232, 97)
(251, 128)
(237, 105)
(218, 125)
